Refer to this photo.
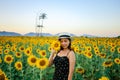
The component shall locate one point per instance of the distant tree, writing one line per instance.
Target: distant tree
(118, 36)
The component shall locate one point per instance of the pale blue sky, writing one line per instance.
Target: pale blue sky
(95, 17)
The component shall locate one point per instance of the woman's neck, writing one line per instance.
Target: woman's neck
(65, 49)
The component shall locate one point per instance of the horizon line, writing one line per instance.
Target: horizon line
(92, 35)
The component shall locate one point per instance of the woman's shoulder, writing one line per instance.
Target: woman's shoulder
(71, 56)
(71, 53)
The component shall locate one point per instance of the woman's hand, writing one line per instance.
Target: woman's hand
(51, 58)
(53, 51)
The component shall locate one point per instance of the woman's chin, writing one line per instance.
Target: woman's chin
(64, 47)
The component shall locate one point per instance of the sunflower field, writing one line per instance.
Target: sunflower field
(26, 58)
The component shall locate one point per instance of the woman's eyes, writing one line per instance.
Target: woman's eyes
(64, 41)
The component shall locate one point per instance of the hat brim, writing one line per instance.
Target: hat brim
(64, 36)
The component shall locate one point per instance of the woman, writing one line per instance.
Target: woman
(64, 60)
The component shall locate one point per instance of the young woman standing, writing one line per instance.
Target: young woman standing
(64, 60)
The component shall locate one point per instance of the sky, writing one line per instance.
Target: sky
(93, 17)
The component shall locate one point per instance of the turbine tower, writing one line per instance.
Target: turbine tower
(39, 23)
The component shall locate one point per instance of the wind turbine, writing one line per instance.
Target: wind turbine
(39, 23)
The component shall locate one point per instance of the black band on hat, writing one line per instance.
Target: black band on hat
(64, 36)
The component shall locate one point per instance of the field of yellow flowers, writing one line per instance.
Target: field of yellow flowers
(26, 58)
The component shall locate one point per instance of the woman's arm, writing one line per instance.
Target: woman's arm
(71, 64)
(51, 57)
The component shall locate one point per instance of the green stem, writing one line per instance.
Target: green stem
(22, 75)
(33, 69)
(10, 71)
(40, 74)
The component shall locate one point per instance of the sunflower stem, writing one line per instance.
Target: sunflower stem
(33, 69)
(40, 74)
(22, 74)
(10, 71)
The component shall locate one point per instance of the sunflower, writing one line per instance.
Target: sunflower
(112, 49)
(7, 46)
(18, 65)
(89, 54)
(56, 45)
(110, 57)
(2, 75)
(118, 49)
(80, 70)
(88, 48)
(0, 60)
(13, 48)
(28, 52)
(102, 55)
(49, 49)
(76, 49)
(95, 45)
(18, 54)
(117, 60)
(96, 49)
(80, 51)
(107, 64)
(43, 53)
(112, 45)
(38, 50)
(1, 47)
(0, 51)
(6, 51)
(42, 63)
(32, 60)
(8, 59)
(104, 78)
(21, 48)
(97, 52)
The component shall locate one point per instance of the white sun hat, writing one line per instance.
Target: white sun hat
(64, 35)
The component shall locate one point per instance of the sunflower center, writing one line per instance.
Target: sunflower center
(79, 69)
(22, 48)
(43, 53)
(112, 49)
(117, 61)
(33, 60)
(102, 54)
(107, 63)
(2, 77)
(6, 51)
(18, 54)
(56, 45)
(89, 54)
(13, 49)
(94, 46)
(119, 49)
(8, 58)
(88, 48)
(42, 63)
(19, 66)
(80, 51)
(96, 52)
(28, 51)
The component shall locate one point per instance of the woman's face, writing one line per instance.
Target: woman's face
(64, 43)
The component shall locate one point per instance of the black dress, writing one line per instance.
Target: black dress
(61, 68)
